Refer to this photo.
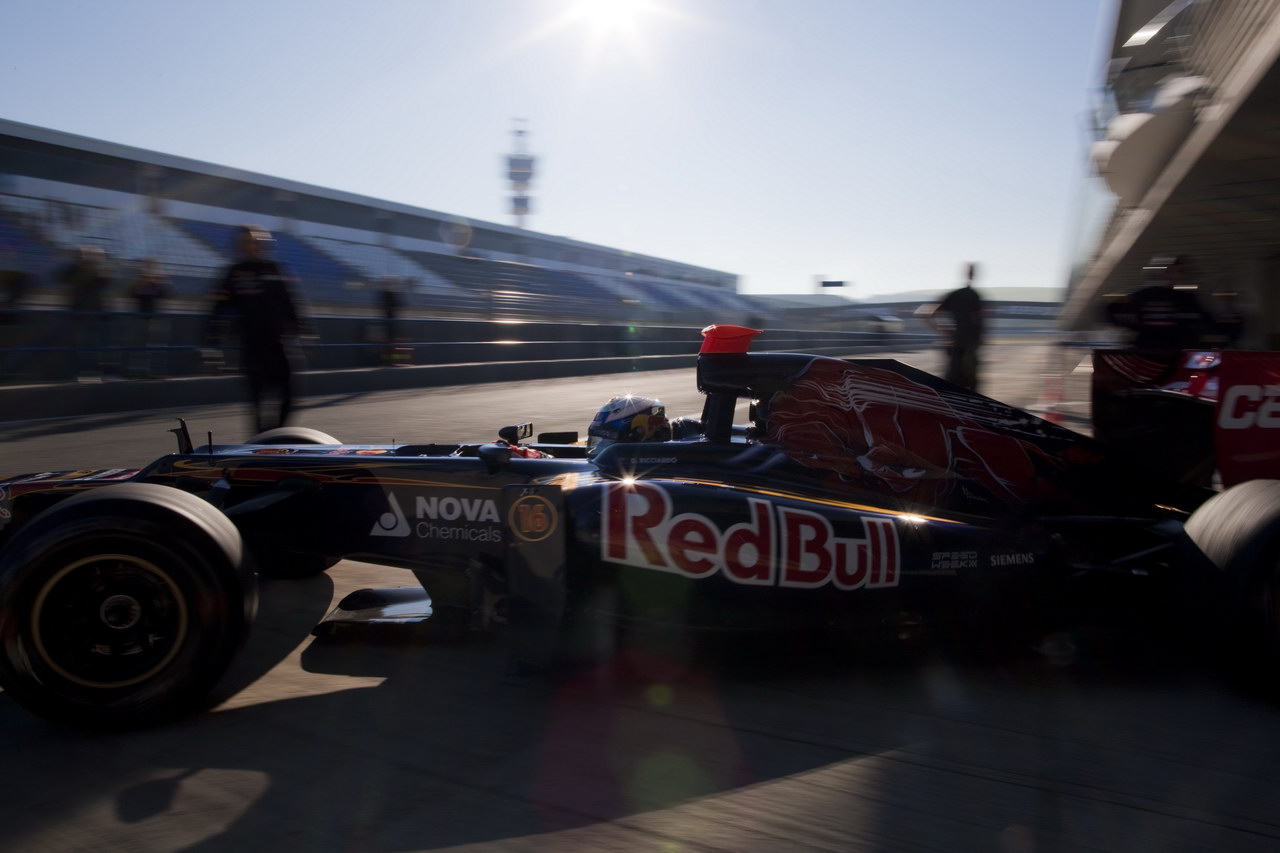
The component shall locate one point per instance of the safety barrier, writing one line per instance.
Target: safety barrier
(52, 346)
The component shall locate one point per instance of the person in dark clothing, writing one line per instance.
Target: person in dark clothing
(14, 281)
(87, 283)
(257, 293)
(151, 286)
(1165, 316)
(13, 286)
(964, 333)
(389, 296)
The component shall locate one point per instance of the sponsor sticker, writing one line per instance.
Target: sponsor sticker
(392, 522)
(954, 560)
(5, 513)
(1023, 559)
(777, 546)
(533, 518)
(55, 476)
(1248, 416)
(81, 474)
(1249, 407)
(110, 474)
(445, 518)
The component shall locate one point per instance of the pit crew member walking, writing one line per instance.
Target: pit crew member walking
(964, 306)
(258, 294)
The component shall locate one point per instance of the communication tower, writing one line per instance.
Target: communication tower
(520, 173)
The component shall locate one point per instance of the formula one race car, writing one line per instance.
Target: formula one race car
(863, 494)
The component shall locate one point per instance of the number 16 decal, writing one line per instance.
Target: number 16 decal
(533, 518)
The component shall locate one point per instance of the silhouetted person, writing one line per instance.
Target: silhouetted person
(87, 283)
(14, 281)
(1165, 316)
(964, 333)
(149, 287)
(389, 299)
(258, 295)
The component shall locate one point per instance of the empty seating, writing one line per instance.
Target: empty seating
(474, 274)
(338, 272)
(375, 262)
(322, 278)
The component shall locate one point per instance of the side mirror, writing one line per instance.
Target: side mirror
(513, 434)
(494, 456)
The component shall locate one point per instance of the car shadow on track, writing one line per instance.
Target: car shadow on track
(385, 746)
(287, 611)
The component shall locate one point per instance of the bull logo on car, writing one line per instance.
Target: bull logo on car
(778, 546)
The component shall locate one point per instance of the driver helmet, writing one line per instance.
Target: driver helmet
(628, 418)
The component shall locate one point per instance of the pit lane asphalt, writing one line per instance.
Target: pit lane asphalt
(426, 746)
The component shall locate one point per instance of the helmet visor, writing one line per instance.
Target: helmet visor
(596, 443)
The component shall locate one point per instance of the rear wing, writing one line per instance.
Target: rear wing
(1190, 415)
(1247, 421)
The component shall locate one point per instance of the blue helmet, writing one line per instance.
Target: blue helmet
(628, 418)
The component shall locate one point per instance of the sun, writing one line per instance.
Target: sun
(606, 17)
(609, 31)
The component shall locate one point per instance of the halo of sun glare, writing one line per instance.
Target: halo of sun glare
(610, 16)
(610, 31)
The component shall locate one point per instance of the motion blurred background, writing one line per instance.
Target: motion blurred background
(507, 190)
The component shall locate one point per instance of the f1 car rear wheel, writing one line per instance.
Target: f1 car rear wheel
(123, 607)
(1239, 531)
(293, 435)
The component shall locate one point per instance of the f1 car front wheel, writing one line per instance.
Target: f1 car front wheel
(123, 607)
(293, 435)
(1239, 531)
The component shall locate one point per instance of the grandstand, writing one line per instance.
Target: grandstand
(59, 191)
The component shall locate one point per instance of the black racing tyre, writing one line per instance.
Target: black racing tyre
(290, 565)
(293, 435)
(1239, 531)
(122, 607)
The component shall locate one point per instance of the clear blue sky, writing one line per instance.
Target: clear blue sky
(879, 142)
